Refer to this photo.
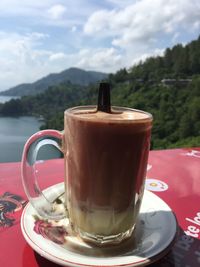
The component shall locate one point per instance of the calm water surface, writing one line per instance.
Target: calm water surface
(14, 132)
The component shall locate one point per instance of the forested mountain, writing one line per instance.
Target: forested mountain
(168, 87)
(72, 75)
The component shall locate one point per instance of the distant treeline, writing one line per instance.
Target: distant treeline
(168, 87)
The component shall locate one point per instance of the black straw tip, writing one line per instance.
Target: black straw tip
(104, 97)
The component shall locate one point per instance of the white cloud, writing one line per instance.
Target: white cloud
(56, 11)
(143, 20)
(48, 12)
(57, 56)
(104, 59)
(143, 57)
(23, 60)
(98, 21)
(140, 29)
(99, 35)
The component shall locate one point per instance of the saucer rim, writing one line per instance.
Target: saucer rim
(144, 261)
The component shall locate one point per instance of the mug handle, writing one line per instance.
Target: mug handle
(43, 206)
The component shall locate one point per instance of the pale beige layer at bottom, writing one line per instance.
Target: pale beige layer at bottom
(103, 222)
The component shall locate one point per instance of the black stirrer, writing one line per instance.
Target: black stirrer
(104, 97)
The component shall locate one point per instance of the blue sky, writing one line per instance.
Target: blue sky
(48, 36)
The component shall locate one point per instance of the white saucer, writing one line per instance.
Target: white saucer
(154, 235)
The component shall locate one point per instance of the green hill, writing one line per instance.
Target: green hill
(72, 75)
(168, 87)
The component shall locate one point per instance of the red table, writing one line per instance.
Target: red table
(173, 175)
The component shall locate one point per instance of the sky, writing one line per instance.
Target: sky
(48, 36)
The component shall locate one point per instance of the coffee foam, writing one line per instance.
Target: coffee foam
(115, 115)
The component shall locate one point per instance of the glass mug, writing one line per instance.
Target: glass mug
(105, 157)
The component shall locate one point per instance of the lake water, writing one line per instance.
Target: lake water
(14, 132)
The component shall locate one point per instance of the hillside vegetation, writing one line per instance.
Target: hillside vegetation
(168, 87)
(71, 75)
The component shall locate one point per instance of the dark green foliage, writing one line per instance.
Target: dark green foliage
(14, 107)
(175, 106)
(176, 110)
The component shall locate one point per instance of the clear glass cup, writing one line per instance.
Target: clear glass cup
(105, 157)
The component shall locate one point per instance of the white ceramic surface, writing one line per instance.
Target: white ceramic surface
(154, 235)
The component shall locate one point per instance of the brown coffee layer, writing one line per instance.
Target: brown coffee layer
(106, 162)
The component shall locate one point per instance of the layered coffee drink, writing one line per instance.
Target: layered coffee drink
(106, 158)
